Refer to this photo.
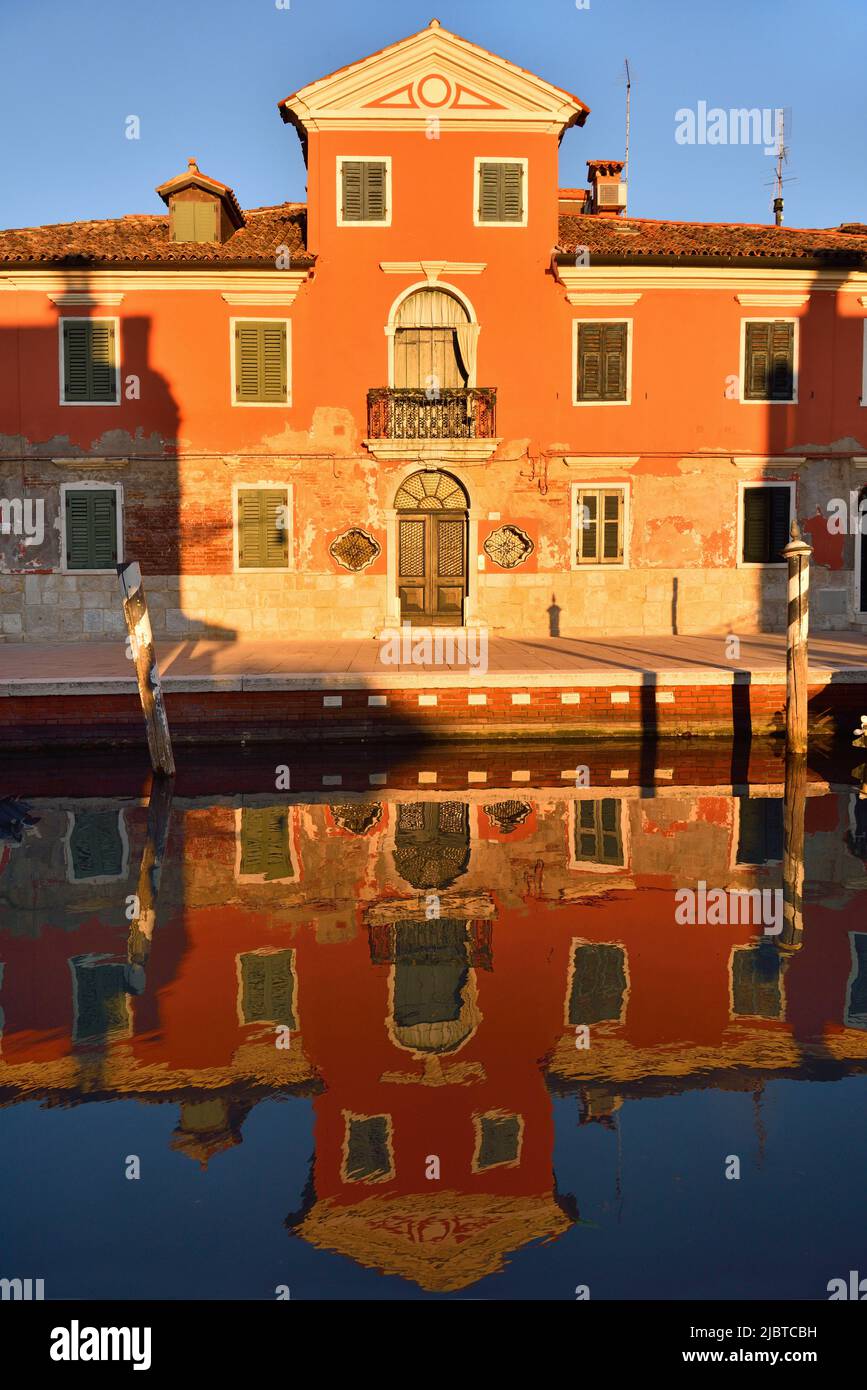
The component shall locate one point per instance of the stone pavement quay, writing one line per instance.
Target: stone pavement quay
(53, 694)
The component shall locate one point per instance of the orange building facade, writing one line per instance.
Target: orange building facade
(444, 391)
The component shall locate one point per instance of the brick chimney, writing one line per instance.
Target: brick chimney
(607, 193)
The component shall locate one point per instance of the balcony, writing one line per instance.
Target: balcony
(408, 416)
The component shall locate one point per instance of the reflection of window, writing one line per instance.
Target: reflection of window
(598, 983)
(96, 848)
(265, 843)
(367, 1149)
(498, 1140)
(760, 837)
(268, 987)
(597, 831)
(856, 998)
(100, 1000)
(757, 982)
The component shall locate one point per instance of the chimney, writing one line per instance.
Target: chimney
(200, 208)
(607, 193)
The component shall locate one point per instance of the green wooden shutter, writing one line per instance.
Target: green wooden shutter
(782, 365)
(757, 355)
(261, 363)
(500, 1140)
(588, 527)
(368, 1157)
(268, 987)
(489, 192)
(511, 192)
(95, 846)
(183, 220)
(779, 523)
(501, 192)
(598, 983)
(756, 982)
(590, 349)
(612, 526)
(352, 171)
(614, 361)
(374, 209)
(756, 511)
(262, 542)
(91, 529)
(769, 366)
(265, 842)
(89, 360)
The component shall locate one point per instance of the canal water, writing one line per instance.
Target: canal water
(441, 1025)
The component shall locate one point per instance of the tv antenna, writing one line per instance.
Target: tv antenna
(628, 98)
(778, 180)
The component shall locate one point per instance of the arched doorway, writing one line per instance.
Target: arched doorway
(432, 575)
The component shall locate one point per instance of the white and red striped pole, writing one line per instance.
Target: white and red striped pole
(797, 554)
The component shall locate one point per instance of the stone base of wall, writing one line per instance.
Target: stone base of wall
(66, 607)
(292, 715)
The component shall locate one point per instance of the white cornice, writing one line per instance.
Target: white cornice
(66, 300)
(424, 450)
(733, 279)
(262, 298)
(599, 297)
(774, 301)
(769, 460)
(600, 460)
(432, 270)
(97, 283)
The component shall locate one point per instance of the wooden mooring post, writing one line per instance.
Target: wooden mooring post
(797, 554)
(138, 626)
(153, 854)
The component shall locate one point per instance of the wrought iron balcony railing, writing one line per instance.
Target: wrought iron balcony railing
(414, 413)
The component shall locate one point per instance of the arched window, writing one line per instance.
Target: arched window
(434, 342)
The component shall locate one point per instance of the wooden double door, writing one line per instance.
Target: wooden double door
(432, 567)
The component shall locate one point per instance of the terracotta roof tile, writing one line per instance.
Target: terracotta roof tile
(143, 239)
(614, 239)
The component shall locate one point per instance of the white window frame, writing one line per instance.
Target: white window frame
(570, 980)
(259, 405)
(525, 187)
(89, 318)
(742, 360)
(342, 159)
(91, 486)
(592, 485)
(595, 405)
(260, 486)
(742, 564)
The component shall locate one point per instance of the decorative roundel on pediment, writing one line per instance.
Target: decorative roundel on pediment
(509, 547)
(434, 92)
(355, 549)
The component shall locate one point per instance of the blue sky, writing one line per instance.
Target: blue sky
(204, 77)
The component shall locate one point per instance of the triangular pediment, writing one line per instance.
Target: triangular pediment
(434, 73)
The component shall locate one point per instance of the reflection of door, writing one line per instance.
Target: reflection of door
(432, 567)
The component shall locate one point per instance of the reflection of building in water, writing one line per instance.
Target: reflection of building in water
(430, 1042)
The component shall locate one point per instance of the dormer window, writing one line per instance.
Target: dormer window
(201, 209)
(364, 192)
